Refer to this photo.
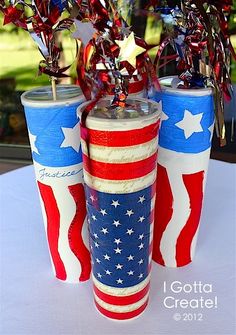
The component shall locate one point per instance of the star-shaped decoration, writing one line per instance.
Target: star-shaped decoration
(119, 281)
(159, 106)
(95, 235)
(92, 198)
(84, 31)
(130, 258)
(94, 217)
(96, 244)
(130, 273)
(140, 276)
(190, 123)
(164, 117)
(98, 260)
(211, 128)
(72, 136)
(141, 219)
(118, 250)
(129, 50)
(117, 241)
(141, 261)
(103, 212)
(116, 223)
(115, 203)
(99, 275)
(106, 257)
(33, 139)
(141, 246)
(129, 212)
(141, 237)
(108, 272)
(119, 266)
(104, 231)
(130, 231)
(142, 199)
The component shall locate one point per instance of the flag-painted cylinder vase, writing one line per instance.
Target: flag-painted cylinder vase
(54, 134)
(183, 156)
(119, 157)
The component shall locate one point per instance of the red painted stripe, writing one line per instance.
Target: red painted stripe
(53, 228)
(134, 87)
(121, 316)
(120, 138)
(163, 211)
(121, 301)
(75, 231)
(122, 171)
(194, 186)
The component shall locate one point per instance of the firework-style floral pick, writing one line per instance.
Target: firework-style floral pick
(42, 19)
(114, 55)
(198, 32)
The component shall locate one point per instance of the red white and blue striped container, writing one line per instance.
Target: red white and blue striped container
(119, 157)
(183, 156)
(54, 134)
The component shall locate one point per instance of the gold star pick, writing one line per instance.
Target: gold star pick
(129, 50)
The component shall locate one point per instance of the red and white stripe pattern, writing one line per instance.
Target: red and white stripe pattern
(180, 181)
(119, 162)
(64, 214)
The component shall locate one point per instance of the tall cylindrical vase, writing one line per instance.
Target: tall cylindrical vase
(54, 134)
(119, 159)
(183, 156)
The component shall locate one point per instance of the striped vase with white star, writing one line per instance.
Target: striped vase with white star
(187, 123)
(119, 161)
(54, 134)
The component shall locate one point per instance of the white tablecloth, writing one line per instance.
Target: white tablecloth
(34, 302)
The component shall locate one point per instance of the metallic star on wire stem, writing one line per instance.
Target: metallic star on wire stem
(129, 50)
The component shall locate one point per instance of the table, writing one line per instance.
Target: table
(34, 302)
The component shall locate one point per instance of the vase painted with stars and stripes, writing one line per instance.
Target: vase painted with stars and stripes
(187, 123)
(54, 134)
(119, 157)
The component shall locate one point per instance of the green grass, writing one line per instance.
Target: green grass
(20, 58)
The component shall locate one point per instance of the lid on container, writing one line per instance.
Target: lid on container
(66, 94)
(137, 112)
(171, 83)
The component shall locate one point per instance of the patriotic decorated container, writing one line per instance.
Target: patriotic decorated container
(183, 155)
(119, 159)
(54, 134)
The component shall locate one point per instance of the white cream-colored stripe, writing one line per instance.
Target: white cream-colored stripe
(121, 309)
(193, 244)
(85, 232)
(153, 201)
(119, 186)
(178, 164)
(114, 155)
(121, 292)
(67, 208)
(184, 162)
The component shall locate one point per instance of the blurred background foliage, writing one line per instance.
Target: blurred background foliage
(19, 56)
